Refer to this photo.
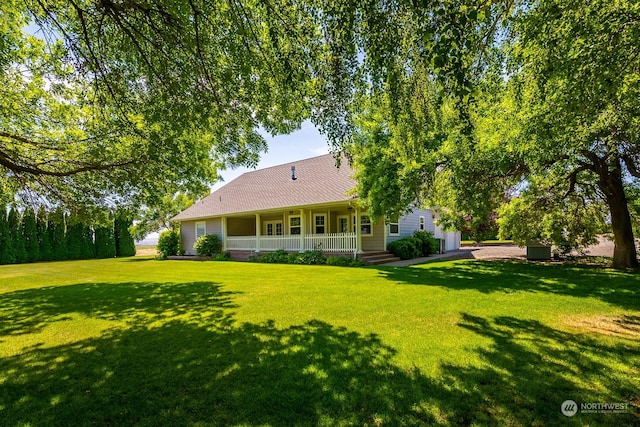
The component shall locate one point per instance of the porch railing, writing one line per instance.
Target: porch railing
(273, 243)
(331, 242)
(242, 243)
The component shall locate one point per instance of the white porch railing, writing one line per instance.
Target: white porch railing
(273, 243)
(243, 243)
(332, 242)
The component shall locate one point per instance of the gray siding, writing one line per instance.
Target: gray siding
(188, 235)
(411, 222)
(188, 232)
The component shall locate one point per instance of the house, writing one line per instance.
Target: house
(298, 206)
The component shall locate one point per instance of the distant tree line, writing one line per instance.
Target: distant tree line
(55, 236)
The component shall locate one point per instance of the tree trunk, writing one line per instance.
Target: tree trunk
(624, 252)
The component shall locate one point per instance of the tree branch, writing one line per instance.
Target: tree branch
(16, 167)
(631, 166)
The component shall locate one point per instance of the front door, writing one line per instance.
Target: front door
(273, 228)
(343, 223)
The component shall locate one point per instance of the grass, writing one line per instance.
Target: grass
(143, 342)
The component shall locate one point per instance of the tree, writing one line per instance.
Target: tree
(57, 235)
(108, 97)
(125, 246)
(7, 255)
(549, 131)
(17, 236)
(30, 233)
(74, 237)
(105, 241)
(582, 106)
(87, 247)
(43, 235)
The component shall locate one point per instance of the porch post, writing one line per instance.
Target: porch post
(258, 231)
(224, 234)
(358, 232)
(303, 229)
(386, 231)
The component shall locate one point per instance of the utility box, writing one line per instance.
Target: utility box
(537, 251)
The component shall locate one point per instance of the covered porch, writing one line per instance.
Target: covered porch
(333, 229)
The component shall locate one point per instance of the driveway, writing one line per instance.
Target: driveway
(603, 248)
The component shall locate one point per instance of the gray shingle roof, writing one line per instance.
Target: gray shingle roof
(318, 181)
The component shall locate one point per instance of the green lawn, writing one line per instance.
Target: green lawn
(144, 342)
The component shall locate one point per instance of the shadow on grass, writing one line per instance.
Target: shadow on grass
(615, 287)
(203, 368)
(29, 311)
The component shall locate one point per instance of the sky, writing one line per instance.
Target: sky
(302, 144)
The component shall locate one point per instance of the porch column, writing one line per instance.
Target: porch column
(258, 231)
(303, 229)
(386, 230)
(358, 232)
(224, 234)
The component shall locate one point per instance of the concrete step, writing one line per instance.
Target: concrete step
(379, 261)
(376, 258)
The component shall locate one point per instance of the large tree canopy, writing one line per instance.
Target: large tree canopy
(136, 99)
(550, 132)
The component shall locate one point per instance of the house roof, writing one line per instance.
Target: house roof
(318, 181)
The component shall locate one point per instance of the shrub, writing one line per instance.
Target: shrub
(341, 261)
(207, 245)
(277, 257)
(428, 244)
(222, 256)
(169, 243)
(315, 257)
(406, 248)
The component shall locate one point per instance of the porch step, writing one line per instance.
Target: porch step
(376, 258)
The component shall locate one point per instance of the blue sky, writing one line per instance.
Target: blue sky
(302, 144)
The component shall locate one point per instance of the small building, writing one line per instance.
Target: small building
(298, 206)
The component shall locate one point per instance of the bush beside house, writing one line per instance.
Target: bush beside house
(169, 243)
(208, 245)
(421, 244)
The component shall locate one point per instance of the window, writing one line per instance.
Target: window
(201, 229)
(394, 228)
(421, 223)
(295, 225)
(365, 225)
(319, 223)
